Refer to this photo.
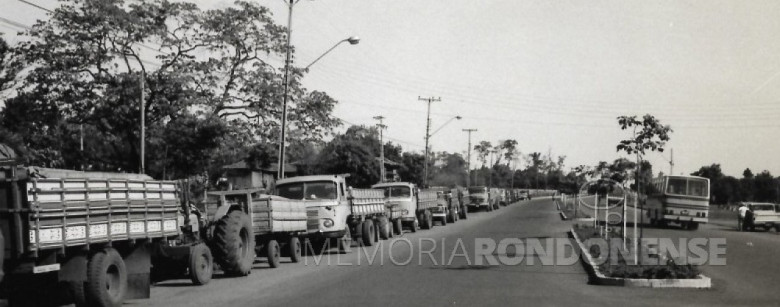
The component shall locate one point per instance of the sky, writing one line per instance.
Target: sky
(553, 75)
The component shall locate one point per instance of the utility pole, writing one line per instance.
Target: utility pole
(382, 127)
(427, 133)
(671, 163)
(143, 124)
(468, 162)
(282, 138)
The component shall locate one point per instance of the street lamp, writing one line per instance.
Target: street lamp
(427, 138)
(352, 40)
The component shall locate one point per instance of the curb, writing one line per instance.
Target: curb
(596, 277)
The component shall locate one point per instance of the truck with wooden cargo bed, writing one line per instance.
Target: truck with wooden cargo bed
(337, 214)
(416, 205)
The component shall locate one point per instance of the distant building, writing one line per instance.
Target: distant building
(241, 176)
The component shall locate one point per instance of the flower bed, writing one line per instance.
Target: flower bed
(626, 269)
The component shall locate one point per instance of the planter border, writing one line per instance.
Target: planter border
(595, 276)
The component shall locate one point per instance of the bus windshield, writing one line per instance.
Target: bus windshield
(688, 186)
(397, 191)
(308, 190)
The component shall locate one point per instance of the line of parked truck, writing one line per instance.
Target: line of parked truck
(97, 239)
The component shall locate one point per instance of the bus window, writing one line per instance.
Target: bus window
(698, 187)
(676, 186)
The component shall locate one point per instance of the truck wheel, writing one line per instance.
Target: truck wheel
(415, 225)
(294, 248)
(368, 233)
(489, 208)
(464, 212)
(384, 227)
(106, 279)
(233, 245)
(201, 264)
(445, 219)
(273, 253)
(428, 220)
(693, 226)
(345, 243)
(399, 227)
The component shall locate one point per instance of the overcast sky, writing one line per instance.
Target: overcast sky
(553, 75)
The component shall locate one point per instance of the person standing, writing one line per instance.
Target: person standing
(741, 218)
(748, 219)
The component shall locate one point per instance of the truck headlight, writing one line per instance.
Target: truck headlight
(328, 223)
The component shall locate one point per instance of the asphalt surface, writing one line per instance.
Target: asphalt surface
(749, 278)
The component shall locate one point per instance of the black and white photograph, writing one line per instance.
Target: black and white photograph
(389, 153)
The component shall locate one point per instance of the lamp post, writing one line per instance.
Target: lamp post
(353, 40)
(468, 162)
(381, 147)
(428, 137)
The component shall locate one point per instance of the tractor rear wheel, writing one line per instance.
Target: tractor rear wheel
(233, 245)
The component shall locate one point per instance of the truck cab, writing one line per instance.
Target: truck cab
(327, 202)
(479, 198)
(404, 195)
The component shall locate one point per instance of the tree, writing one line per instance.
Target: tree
(652, 135)
(9, 65)
(510, 150)
(353, 152)
(86, 68)
(483, 150)
(452, 171)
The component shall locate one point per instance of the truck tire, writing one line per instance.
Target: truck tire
(273, 253)
(384, 228)
(464, 212)
(345, 243)
(415, 225)
(294, 248)
(428, 220)
(233, 244)
(398, 226)
(201, 264)
(489, 208)
(445, 219)
(368, 233)
(106, 279)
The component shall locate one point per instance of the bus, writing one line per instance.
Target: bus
(683, 200)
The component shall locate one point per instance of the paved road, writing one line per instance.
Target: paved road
(339, 280)
(751, 275)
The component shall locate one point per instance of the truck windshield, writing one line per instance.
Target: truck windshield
(477, 190)
(308, 190)
(399, 191)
